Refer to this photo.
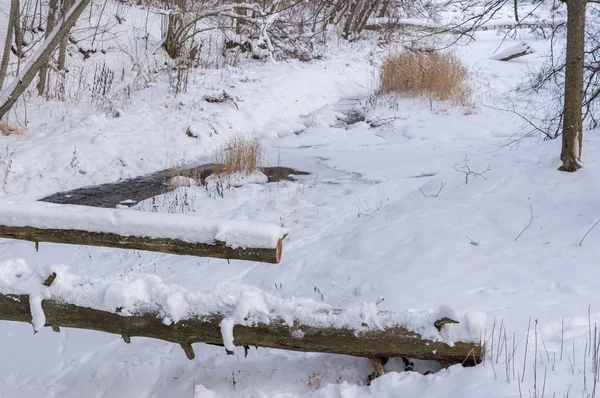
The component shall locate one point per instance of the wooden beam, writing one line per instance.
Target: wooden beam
(392, 342)
(163, 245)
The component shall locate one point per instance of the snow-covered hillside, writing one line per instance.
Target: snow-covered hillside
(389, 218)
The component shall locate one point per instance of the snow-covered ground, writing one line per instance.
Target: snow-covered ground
(386, 219)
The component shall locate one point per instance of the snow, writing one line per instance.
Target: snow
(202, 392)
(239, 305)
(235, 179)
(371, 232)
(182, 181)
(522, 47)
(142, 224)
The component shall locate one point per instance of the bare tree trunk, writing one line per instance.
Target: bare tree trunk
(62, 50)
(50, 20)
(516, 11)
(11, 94)
(350, 21)
(18, 32)
(572, 122)
(14, 4)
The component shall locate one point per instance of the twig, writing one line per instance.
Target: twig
(590, 230)
(526, 345)
(472, 241)
(530, 221)
(433, 195)
(466, 169)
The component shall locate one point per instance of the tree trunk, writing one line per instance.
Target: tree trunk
(18, 34)
(392, 342)
(572, 122)
(11, 94)
(14, 5)
(50, 20)
(62, 50)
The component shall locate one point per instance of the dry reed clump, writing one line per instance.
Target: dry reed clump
(240, 154)
(435, 75)
(8, 129)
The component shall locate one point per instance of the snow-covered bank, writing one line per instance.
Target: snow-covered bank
(388, 220)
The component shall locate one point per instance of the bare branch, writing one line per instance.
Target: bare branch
(528, 225)
(435, 195)
(466, 169)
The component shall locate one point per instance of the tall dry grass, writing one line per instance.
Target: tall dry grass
(241, 154)
(435, 75)
(8, 129)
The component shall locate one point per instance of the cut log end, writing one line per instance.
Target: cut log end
(278, 251)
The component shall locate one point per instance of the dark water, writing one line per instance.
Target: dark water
(147, 186)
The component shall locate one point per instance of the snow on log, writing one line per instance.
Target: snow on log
(517, 51)
(415, 24)
(390, 342)
(141, 305)
(183, 234)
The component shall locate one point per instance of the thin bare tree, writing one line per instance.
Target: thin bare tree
(10, 95)
(50, 21)
(14, 7)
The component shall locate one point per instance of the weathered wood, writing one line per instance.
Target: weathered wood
(163, 245)
(516, 55)
(378, 369)
(392, 342)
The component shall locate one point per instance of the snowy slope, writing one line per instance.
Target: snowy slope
(368, 225)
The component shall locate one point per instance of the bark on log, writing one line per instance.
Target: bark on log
(516, 55)
(162, 245)
(388, 343)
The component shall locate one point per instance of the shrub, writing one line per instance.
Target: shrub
(435, 75)
(8, 129)
(240, 154)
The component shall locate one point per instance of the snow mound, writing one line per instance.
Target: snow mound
(236, 179)
(182, 181)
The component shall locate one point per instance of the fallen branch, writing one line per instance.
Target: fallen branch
(387, 24)
(392, 342)
(131, 229)
(433, 195)
(517, 51)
